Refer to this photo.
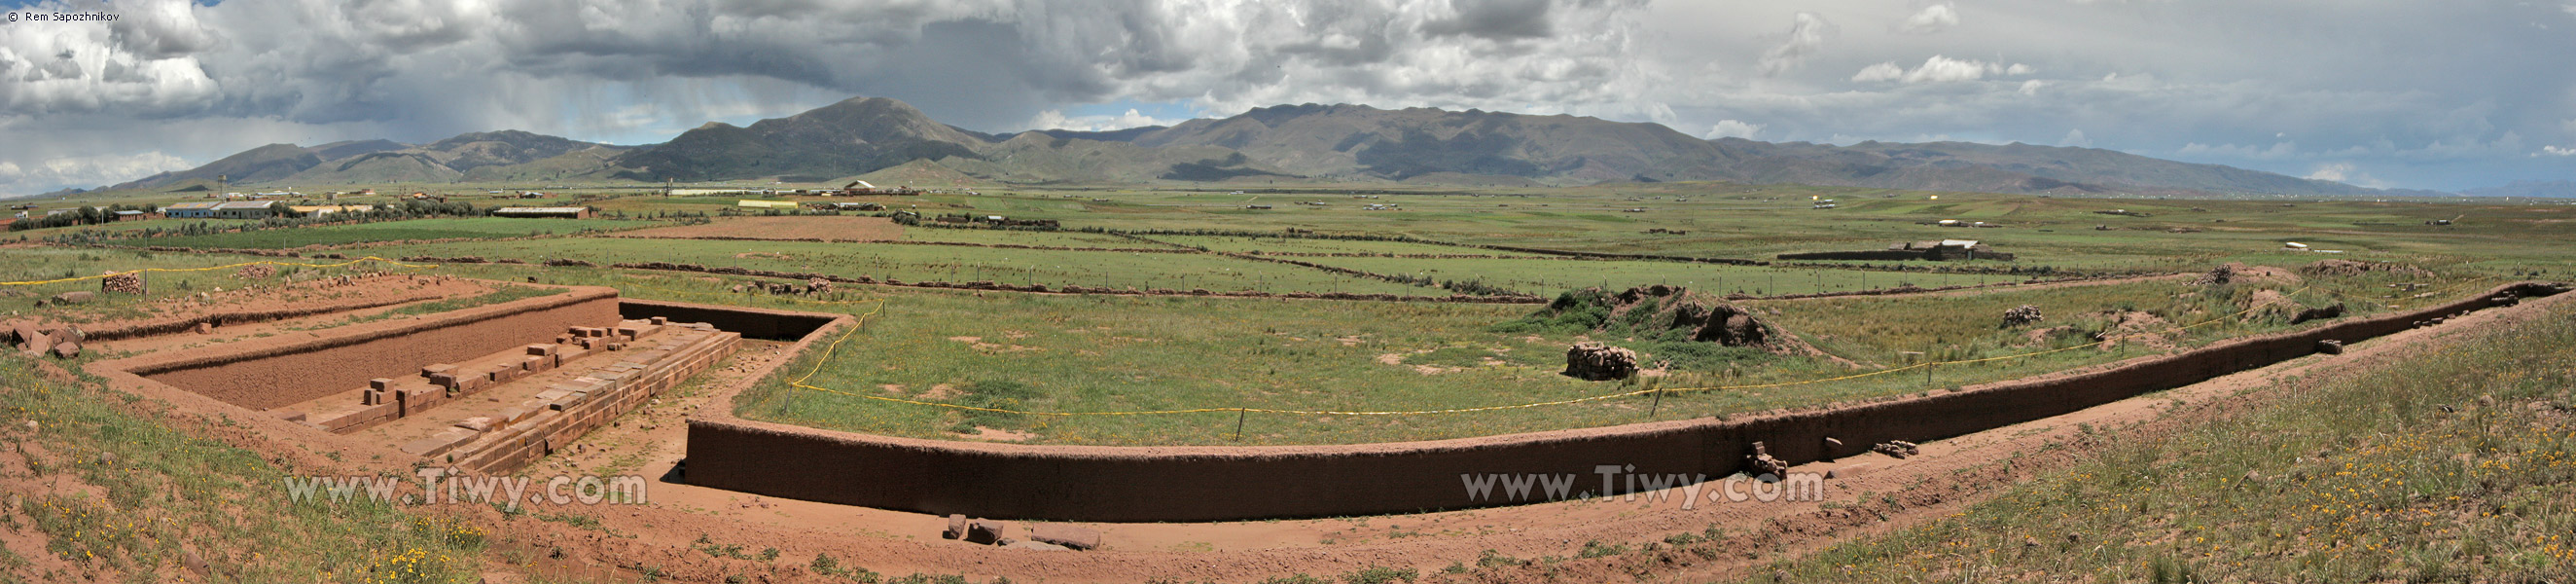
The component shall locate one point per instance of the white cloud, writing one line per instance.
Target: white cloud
(2278, 151)
(50, 174)
(2346, 173)
(1940, 69)
(1056, 120)
(2556, 151)
(1733, 129)
(1888, 71)
(1932, 19)
(2031, 87)
(2075, 138)
(1807, 34)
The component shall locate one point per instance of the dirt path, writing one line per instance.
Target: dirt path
(1870, 494)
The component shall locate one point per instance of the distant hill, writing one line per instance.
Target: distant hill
(465, 157)
(262, 164)
(1348, 143)
(445, 160)
(851, 137)
(2528, 188)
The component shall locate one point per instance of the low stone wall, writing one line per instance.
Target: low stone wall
(292, 368)
(1206, 483)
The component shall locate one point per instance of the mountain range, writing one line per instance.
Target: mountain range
(1339, 143)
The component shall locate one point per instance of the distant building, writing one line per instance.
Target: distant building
(246, 210)
(321, 210)
(766, 204)
(130, 215)
(195, 210)
(543, 212)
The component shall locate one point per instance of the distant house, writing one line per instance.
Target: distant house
(766, 204)
(246, 210)
(543, 212)
(130, 215)
(196, 210)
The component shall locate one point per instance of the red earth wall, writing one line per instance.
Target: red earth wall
(284, 370)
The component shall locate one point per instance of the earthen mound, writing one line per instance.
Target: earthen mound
(2356, 268)
(2239, 273)
(1665, 314)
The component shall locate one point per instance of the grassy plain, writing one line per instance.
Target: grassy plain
(2455, 465)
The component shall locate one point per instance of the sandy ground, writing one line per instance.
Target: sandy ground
(826, 227)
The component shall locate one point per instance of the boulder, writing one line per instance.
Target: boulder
(74, 297)
(985, 531)
(1080, 538)
(1598, 362)
(956, 527)
(2330, 347)
(67, 350)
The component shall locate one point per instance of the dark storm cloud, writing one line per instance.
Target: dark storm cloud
(1495, 19)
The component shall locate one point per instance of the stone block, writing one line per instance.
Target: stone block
(1079, 538)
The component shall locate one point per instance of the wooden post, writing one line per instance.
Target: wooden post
(1239, 414)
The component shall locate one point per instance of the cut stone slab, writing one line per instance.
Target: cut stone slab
(1080, 538)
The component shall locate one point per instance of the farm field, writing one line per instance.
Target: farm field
(917, 263)
(822, 227)
(385, 231)
(1550, 274)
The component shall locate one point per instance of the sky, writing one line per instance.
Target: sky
(2379, 93)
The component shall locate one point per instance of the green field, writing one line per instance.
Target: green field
(916, 263)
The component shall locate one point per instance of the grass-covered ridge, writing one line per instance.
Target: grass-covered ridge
(2449, 465)
(165, 488)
